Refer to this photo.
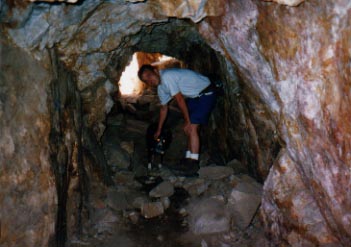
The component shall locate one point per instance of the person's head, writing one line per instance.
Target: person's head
(149, 75)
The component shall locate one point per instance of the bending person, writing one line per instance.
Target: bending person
(195, 98)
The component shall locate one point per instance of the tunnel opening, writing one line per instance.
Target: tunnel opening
(115, 149)
(124, 137)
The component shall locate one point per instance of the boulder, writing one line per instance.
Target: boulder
(166, 202)
(243, 201)
(237, 166)
(147, 99)
(164, 189)
(195, 186)
(152, 209)
(138, 202)
(117, 158)
(215, 172)
(117, 200)
(208, 216)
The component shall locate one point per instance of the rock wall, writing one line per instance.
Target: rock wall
(28, 197)
(296, 62)
(313, 85)
(66, 151)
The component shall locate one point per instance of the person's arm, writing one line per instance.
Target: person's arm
(183, 107)
(162, 118)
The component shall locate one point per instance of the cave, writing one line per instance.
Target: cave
(275, 160)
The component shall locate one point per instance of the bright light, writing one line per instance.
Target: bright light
(129, 84)
(162, 59)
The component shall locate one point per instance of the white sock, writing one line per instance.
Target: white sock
(194, 156)
(187, 154)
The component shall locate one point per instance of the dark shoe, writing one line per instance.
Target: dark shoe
(187, 167)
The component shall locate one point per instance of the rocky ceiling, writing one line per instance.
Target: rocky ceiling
(293, 64)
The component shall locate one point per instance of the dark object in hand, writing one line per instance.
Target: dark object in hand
(157, 146)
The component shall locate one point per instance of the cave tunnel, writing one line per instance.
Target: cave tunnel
(275, 155)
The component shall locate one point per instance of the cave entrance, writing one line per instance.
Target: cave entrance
(137, 106)
(159, 205)
(223, 195)
(129, 83)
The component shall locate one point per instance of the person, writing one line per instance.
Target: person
(195, 97)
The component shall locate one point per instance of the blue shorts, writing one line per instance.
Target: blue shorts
(200, 108)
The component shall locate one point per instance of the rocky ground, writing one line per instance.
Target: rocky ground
(158, 208)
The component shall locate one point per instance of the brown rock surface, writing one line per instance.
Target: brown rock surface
(297, 66)
(27, 186)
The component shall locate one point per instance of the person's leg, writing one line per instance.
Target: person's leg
(194, 140)
(188, 152)
(199, 110)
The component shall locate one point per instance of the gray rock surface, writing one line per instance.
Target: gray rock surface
(208, 216)
(28, 195)
(244, 201)
(215, 172)
(164, 189)
(117, 200)
(195, 186)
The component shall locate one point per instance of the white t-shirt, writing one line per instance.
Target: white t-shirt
(189, 83)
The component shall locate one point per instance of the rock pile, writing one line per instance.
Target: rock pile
(215, 208)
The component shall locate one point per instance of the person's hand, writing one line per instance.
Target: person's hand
(187, 128)
(157, 134)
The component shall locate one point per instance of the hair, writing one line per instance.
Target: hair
(144, 68)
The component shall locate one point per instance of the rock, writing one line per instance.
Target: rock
(237, 166)
(68, 1)
(244, 201)
(165, 202)
(195, 186)
(136, 126)
(203, 243)
(130, 108)
(284, 186)
(28, 194)
(98, 106)
(117, 200)
(117, 158)
(152, 209)
(128, 146)
(115, 120)
(160, 238)
(173, 179)
(166, 174)
(215, 172)
(147, 99)
(287, 2)
(164, 189)
(140, 171)
(124, 177)
(134, 217)
(138, 202)
(183, 212)
(208, 216)
(286, 58)
(204, 159)
(103, 220)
